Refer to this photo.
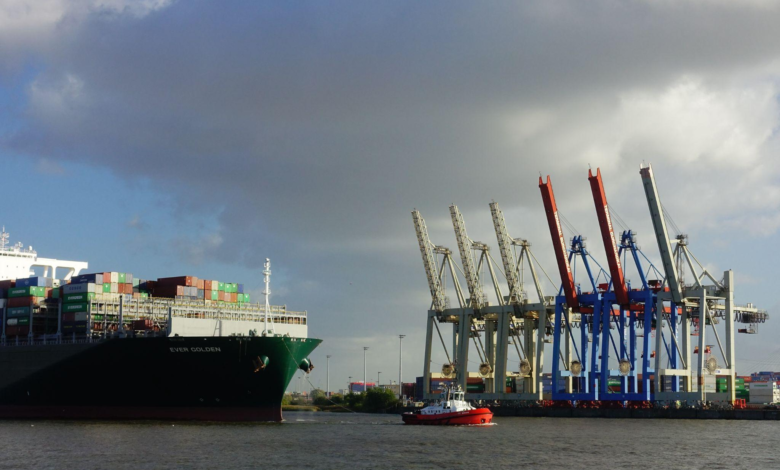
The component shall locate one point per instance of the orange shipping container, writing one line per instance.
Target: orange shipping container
(200, 284)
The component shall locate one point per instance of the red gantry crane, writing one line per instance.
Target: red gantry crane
(608, 236)
(559, 243)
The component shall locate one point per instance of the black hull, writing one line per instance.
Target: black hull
(202, 378)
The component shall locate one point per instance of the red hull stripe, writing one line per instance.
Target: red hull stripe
(133, 413)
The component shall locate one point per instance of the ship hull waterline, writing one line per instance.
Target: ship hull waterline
(230, 379)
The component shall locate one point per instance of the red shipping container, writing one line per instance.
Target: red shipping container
(201, 283)
(22, 301)
(168, 291)
(207, 285)
(129, 288)
(68, 316)
(143, 324)
(221, 296)
(17, 330)
(176, 281)
(7, 284)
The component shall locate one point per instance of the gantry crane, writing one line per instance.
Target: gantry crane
(474, 315)
(532, 316)
(439, 304)
(590, 370)
(635, 309)
(697, 305)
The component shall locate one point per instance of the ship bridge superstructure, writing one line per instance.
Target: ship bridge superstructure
(17, 262)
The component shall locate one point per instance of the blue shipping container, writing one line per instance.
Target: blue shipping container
(240, 288)
(34, 282)
(96, 278)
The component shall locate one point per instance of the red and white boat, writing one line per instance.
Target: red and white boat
(453, 410)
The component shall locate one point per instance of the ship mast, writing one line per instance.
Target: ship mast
(267, 293)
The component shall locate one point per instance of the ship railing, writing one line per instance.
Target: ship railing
(104, 311)
(13, 341)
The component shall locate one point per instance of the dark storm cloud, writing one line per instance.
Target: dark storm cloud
(315, 128)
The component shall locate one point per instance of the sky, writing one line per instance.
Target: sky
(165, 138)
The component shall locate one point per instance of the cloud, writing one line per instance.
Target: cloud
(137, 223)
(49, 167)
(31, 26)
(195, 251)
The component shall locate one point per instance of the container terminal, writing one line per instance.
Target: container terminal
(662, 340)
(111, 346)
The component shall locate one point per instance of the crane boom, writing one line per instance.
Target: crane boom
(608, 236)
(467, 259)
(429, 261)
(661, 234)
(559, 242)
(504, 246)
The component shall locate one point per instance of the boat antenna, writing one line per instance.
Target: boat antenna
(267, 293)
(3, 239)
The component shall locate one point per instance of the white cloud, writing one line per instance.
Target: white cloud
(40, 25)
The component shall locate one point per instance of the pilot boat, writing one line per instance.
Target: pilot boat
(452, 410)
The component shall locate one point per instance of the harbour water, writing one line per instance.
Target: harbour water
(340, 440)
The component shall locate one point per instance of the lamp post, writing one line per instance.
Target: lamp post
(377, 379)
(327, 375)
(365, 382)
(349, 385)
(400, 366)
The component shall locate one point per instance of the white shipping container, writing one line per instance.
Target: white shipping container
(78, 288)
(114, 278)
(114, 285)
(764, 399)
(763, 386)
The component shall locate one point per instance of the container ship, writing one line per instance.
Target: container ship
(111, 346)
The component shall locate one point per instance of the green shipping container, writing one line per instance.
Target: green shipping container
(32, 291)
(246, 297)
(107, 288)
(214, 295)
(136, 282)
(55, 293)
(144, 295)
(122, 277)
(22, 321)
(18, 312)
(222, 286)
(75, 307)
(239, 297)
(83, 297)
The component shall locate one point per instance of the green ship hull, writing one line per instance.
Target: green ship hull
(181, 378)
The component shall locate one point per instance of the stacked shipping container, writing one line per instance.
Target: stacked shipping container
(34, 301)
